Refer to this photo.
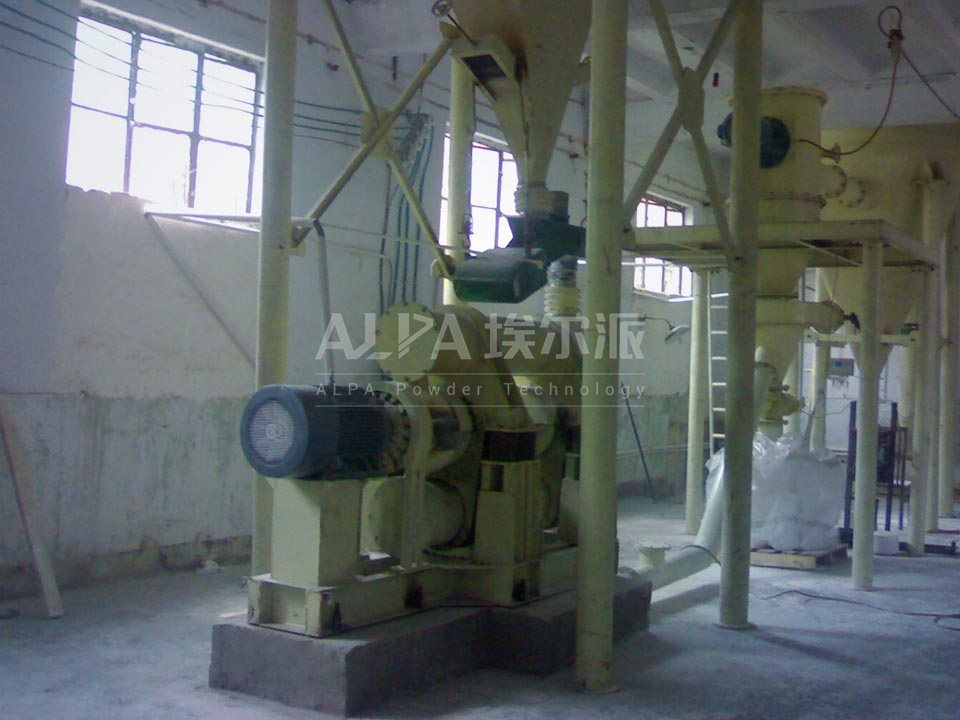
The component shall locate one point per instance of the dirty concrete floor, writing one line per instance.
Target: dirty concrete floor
(140, 649)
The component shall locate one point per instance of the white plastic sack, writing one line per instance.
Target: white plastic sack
(797, 497)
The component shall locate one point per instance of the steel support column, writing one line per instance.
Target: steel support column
(596, 558)
(697, 409)
(865, 483)
(948, 382)
(742, 267)
(275, 238)
(921, 443)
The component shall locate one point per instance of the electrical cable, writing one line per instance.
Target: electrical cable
(91, 24)
(34, 57)
(937, 617)
(930, 87)
(254, 113)
(894, 41)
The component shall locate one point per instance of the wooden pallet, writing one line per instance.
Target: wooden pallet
(797, 559)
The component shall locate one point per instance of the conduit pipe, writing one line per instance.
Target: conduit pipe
(948, 382)
(697, 407)
(596, 555)
(275, 239)
(462, 129)
(865, 482)
(742, 268)
(706, 548)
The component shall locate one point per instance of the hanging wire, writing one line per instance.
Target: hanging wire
(309, 122)
(894, 37)
(930, 87)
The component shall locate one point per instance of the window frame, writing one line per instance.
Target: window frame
(503, 155)
(645, 264)
(204, 52)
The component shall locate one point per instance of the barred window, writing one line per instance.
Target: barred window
(653, 274)
(161, 117)
(493, 183)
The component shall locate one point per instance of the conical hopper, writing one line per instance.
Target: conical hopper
(778, 329)
(900, 289)
(546, 40)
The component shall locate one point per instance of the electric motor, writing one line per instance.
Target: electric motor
(325, 432)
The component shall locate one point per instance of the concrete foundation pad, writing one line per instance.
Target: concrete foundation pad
(360, 668)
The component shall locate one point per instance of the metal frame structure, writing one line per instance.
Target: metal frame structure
(733, 244)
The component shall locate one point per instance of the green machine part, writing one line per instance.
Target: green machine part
(514, 273)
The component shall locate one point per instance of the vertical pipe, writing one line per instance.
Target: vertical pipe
(596, 561)
(792, 381)
(948, 377)
(275, 237)
(921, 441)
(697, 409)
(865, 482)
(742, 331)
(821, 362)
(459, 162)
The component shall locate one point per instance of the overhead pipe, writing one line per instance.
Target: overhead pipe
(698, 400)
(865, 481)
(459, 162)
(275, 239)
(950, 357)
(741, 338)
(596, 554)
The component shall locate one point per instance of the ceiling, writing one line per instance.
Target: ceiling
(833, 45)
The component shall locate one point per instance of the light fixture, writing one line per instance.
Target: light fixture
(673, 331)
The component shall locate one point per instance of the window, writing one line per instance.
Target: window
(493, 182)
(653, 274)
(167, 120)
